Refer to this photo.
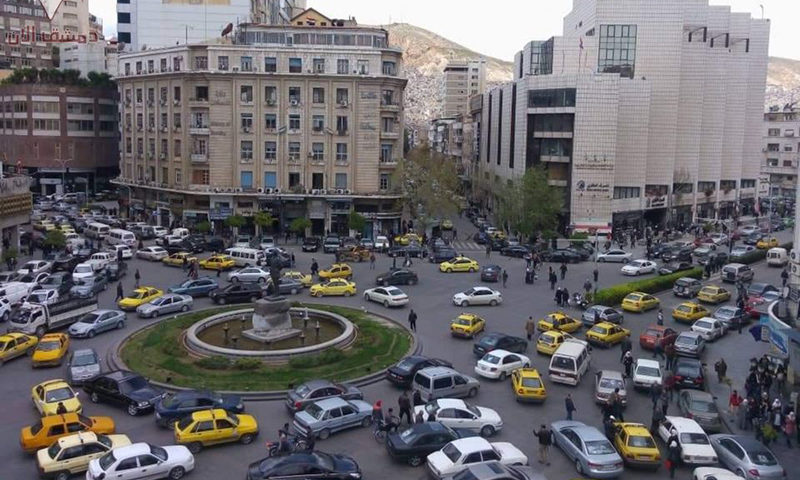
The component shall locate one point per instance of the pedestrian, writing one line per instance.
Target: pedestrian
(596, 275)
(587, 286)
(741, 414)
(570, 406)
(656, 420)
(625, 347)
(61, 409)
(505, 277)
(394, 262)
(553, 279)
(292, 258)
(184, 264)
(372, 261)
(660, 317)
(658, 350)
(219, 272)
(489, 249)
(455, 234)
(120, 293)
(545, 437)
(563, 269)
(673, 457)
(627, 361)
(412, 320)
(314, 267)
(671, 354)
(419, 418)
(734, 401)
(615, 404)
(530, 328)
(416, 398)
(789, 426)
(721, 368)
(377, 411)
(137, 276)
(404, 402)
(119, 255)
(784, 277)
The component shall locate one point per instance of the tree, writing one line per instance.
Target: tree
(356, 221)
(529, 205)
(235, 221)
(55, 240)
(299, 226)
(203, 227)
(263, 220)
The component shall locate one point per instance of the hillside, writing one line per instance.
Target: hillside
(783, 81)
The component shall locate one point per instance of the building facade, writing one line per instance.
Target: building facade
(16, 204)
(462, 79)
(780, 152)
(642, 112)
(17, 49)
(72, 16)
(302, 121)
(101, 56)
(63, 136)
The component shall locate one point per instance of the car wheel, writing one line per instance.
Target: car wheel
(91, 334)
(195, 447)
(366, 421)
(235, 280)
(412, 281)
(386, 303)
(185, 308)
(471, 270)
(293, 291)
(578, 467)
(366, 297)
(177, 473)
(5, 316)
(415, 461)
(105, 286)
(94, 398)
(246, 439)
(348, 293)
(253, 299)
(487, 431)
(472, 392)
(449, 270)
(62, 476)
(463, 303)
(132, 410)
(324, 433)
(601, 260)
(493, 303)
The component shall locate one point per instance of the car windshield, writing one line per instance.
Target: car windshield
(694, 438)
(49, 346)
(84, 359)
(762, 457)
(640, 441)
(54, 449)
(58, 395)
(531, 383)
(489, 340)
(135, 383)
(493, 359)
(688, 370)
(647, 371)
(703, 406)
(315, 411)
(158, 452)
(405, 365)
(451, 452)
(89, 318)
(599, 329)
(159, 301)
(37, 297)
(394, 291)
(409, 436)
(684, 340)
(184, 422)
(725, 312)
(704, 324)
(302, 390)
(107, 460)
(547, 339)
(612, 383)
(599, 447)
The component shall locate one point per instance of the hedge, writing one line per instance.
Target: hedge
(614, 295)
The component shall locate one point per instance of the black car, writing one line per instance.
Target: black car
(688, 373)
(721, 258)
(83, 254)
(402, 373)
(498, 244)
(173, 406)
(125, 389)
(753, 238)
(442, 254)
(673, 267)
(284, 259)
(215, 244)
(677, 254)
(412, 250)
(331, 244)
(481, 238)
(305, 465)
(418, 441)
(116, 270)
(310, 244)
(237, 293)
(59, 281)
(518, 251)
(490, 273)
(659, 249)
(561, 256)
(65, 263)
(188, 244)
(496, 340)
(398, 276)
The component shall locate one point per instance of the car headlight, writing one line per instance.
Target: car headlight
(143, 404)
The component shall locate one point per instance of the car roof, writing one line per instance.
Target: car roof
(332, 402)
(471, 444)
(450, 403)
(204, 415)
(119, 375)
(610, 374)
(83, 351)
(128, 451)
(685, 424)
(646, 362)
(77, 439)
(436, 371)
(317, 383)
(688, 333)
(699, 395)
(501, 353)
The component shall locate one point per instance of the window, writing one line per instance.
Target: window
(138, 68)
(294, 151)
(389, 68)
(319, 65)
(728, 185)
(128, 145)
(270, 180)
(787, 148)
(626, 192)
(270, 121)
(125, 37)
(342, 66)
(201, 63)
(706, 186)
(139, 95)
(222, 63)
(72, 125)
(773, 147)
(317, 152)
(387, 124)
(246, 178)
(295, 65)
(318, 123)
(772, 162)
(270, 150)
(341, 125)
(164, 147)
(295, 96)
(201, 93)
(176, 120)
(176, 94)
(341, 152)
(386, 152)
(558, 97)
(247, 122)
(163, 65)
(151, 67)
(748, 183)
(294, 179)
(162, 95)
(163, 123)
(384, 181)
(387, 97)
(271, 95)
(342, 96)
(318, 182)
(363, 67)
(200, 177)
(294, 121)
(246, 150)
(246, 93)
(123, 17)
(340, 180)
(246, 64)
(318, 95)
(127, 464)
(270, 64)
(617, 52)
(786, 163)
(774, 132)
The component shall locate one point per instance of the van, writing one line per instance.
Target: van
(777, 257)
(736, 272)
(180, 232)
(95, 230)
(444, 382)
(118, 236)
(570, 362)
(686, 287)
(244, 257)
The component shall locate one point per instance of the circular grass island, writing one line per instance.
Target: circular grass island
(160, 354)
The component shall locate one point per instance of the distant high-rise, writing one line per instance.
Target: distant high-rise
(462, 79)
(21, 51)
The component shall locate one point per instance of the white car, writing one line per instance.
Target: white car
(709, 328)
(478, 296)
(695, 446)
(749, 229)
(719, 238)
(154, 254)
(498, 364)
(618, 256)
(714, 473)
(646, 374)
(457, 413)
(127, 252)
(140, 461)
(32, 281)
(160, 231)
(250, 275)
(387, 296)
(15, 292)
(639, 267)
(74, 241)
(100, 260)
(43, 297)
(740, 250)
(5, 309)
(460, 454)
(167, 240)
(381, 243)
(81, 271)
(35, 266)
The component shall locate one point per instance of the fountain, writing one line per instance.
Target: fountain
(271, 321)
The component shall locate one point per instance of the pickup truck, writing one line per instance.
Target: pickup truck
(34, 318)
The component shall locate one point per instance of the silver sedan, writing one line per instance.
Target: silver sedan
(169, 303)
(593, 454)
(249, 275)
(154, 254)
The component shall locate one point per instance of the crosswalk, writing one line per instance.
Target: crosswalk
(467, 246)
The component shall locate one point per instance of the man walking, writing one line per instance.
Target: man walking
(570, 406)
(553, 279)
(405, 407)
(625, 347)
(563, 269)
(314, 267)
(137, 276)
(120, 295)
(721, 368)
(530, 328)
(505, 278)
(489, 250)
(412, 320)
(545, 440)
(372, 261)
(596, 275)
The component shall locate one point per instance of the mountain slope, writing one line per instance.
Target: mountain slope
(783, 81)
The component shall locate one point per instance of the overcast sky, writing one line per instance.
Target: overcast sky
(501, 32)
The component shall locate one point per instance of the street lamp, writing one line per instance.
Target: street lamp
(63, 162)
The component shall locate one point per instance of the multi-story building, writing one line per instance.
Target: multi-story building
(462, 79)
(100, 56)
(19, 20)
(276, 12)
(16, 205)
(643, 112)
(62, 135)
(304, 121)
(781, 146)
(72, 16)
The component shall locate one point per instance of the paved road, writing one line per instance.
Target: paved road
(431, 299)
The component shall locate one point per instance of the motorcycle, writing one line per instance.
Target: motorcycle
(297, 443)
(579, 301)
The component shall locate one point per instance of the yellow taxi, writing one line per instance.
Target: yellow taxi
(304, 278)
(407, 238)
(713, 294)
(51, 350)
(459, 264)
(71, 455)
(528, 385)
(636, 446)
(47, 430)
(138, 297)
(467, 325)
(767, 242)
(549, 341)
(177, 259)
(447, 224)
(48, 395)
(44, 225)
(688, 312)
(212, 427)
(639, 302)
(13, 345)
(334, 286)
(606, 334)
(337, 270)
(559, 321)
(217, 262)
(497, 235)
(66, 228)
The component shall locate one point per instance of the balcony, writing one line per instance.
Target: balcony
(779, 170)
(199, 130)
(198, 102)
(199, 158)
(555, 158)
(390, 106)
(392, 134)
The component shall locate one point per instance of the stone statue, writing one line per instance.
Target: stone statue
(271, 320)
(275, 274)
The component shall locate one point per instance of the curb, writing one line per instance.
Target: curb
(114, 362)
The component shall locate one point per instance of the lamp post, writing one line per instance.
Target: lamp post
(63, 162)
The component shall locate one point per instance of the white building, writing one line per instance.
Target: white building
(644, 112)
(73, 16)
(101, 56)
(780, 152)
(462, 79)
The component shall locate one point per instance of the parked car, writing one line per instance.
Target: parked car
(314, 390)
(310, 244)
(325, 465)
(588, 448)
(82, 365)
(690, 344)
(125, 389)
(95, 322)
(701, 407)
(561, 256)
(398, 276)
(747, 457)
(173, 406)
(403, 372)
(331, 244)
(169, 303)
(316, 419)
(237, 293)
(694, 444)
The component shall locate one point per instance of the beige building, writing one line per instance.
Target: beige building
(72, 16)
(21, 19)
(781, 152)
(303, 121)
(462, 79)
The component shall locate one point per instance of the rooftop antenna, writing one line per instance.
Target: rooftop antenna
(762, 11)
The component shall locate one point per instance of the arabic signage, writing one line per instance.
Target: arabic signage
(655, 202)
(28, 35)
(594, 164)
(220, 213)
(775, 331)
(583, 186)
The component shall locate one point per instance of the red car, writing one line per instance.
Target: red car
(705, 241)
(655, 334)
(755, 306)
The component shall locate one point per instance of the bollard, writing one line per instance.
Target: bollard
(316, 327)
(303, 338)
(225, 332)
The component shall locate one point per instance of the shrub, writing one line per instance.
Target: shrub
(579, 236)
(247, 364)
(614, 295)
(327, 357)
(216, 362)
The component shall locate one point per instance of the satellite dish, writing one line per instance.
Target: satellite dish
(227, 29)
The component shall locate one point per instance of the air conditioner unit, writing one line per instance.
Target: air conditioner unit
(276, 190)
(176, 102)
(340, 191)
(216, 190)
(175, 129)
(271, 102)
(265, 190)
(138, 129)
(163, 156)
(323, 192)
(240, 189)
(315, 192)
(163, 129)
(149, 103)
(343, 103)
(294, 103)
(310, 154)
(348, 192)
(235, 69)
(163, 103)
(246, 129)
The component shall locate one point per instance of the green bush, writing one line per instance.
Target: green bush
(327, 357)
(216, 362)
(614, 295)
(247, 364)
(579, 236)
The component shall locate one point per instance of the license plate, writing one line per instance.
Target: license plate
(644, 457)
